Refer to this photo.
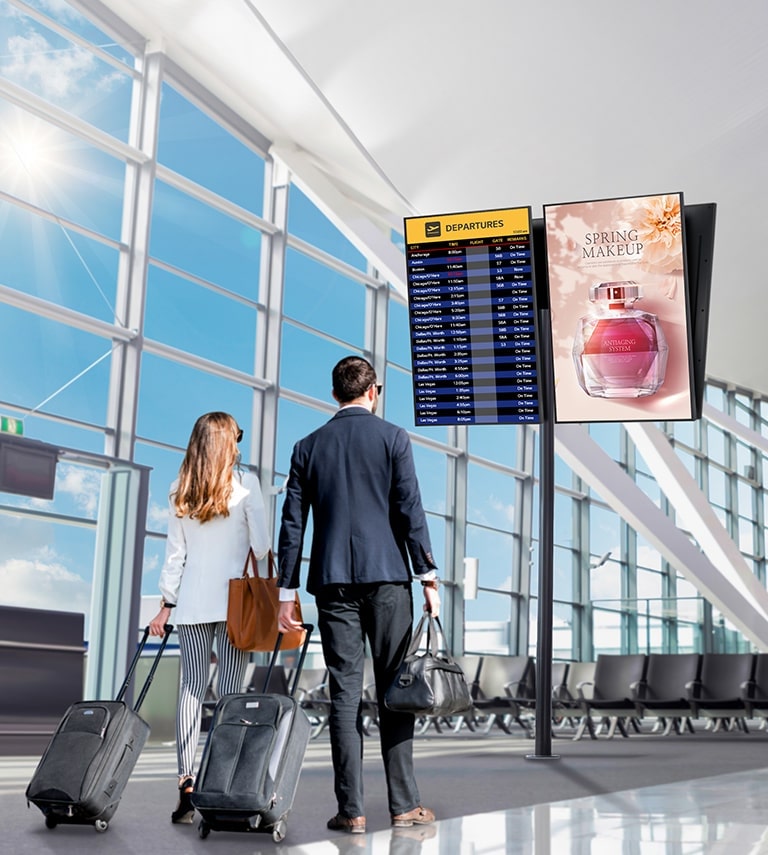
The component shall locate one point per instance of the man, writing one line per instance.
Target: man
(357, 476)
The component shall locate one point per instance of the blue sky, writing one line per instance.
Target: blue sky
(49, 562)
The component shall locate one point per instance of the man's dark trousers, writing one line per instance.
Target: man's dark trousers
(347, 615)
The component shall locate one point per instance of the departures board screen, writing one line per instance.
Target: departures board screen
(472, 318)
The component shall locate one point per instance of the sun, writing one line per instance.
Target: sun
(29, 155)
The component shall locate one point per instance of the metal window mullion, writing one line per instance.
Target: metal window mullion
(584, 646)
(200, 363)
(69, 225)
(269, 329)
(48, 516)
(54, 115)
(204, 283)
(322, 257)
(214, 107)
(213, 200)
(522, 549)
(122, 403)
(73, 37)
(116, 588)
(52, 417)
(376, 326)
(456, 534)
(61, 314)
(627, 562)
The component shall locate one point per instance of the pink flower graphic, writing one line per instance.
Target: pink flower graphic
(661, 233)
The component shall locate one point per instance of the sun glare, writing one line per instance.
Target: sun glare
(28, 155)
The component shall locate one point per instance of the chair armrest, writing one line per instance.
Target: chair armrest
(512, 689)
(748, 688)
(580, 689)
(561, 693)
(639, 689)
(693, 688)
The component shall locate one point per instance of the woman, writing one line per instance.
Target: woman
(216, 514)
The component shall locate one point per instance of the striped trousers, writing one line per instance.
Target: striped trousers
(196, 643)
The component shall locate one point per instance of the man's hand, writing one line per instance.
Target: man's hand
(431, 600)
(286, 617)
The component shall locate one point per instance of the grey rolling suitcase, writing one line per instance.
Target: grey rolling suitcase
(252, 759)
(83, 772)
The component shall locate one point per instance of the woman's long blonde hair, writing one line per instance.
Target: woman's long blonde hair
(205, 476)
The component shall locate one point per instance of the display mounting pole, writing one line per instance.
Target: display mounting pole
(543, 735)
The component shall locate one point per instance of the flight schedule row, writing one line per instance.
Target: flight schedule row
(473, 330)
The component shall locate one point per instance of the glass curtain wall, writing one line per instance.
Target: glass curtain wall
(156, 264)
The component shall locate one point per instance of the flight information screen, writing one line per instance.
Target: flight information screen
(472, 317)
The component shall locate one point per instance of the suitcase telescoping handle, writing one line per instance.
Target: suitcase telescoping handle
(134, 662)
(308, 627)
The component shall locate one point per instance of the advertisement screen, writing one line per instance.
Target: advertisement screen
(472, 318)
(621, 333)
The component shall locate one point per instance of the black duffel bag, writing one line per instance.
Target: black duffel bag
(428, 683)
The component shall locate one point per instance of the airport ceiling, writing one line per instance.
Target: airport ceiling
(431, 106)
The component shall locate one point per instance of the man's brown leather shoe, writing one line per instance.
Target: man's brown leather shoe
(418, 816)
(350, 824)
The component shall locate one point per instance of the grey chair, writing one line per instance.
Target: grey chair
(566, 707)
(719, 693)
(613, 693)
(278, 680)
(756, 691)
(506, 693)
(559, 678)
(559, 681)
(665, 694)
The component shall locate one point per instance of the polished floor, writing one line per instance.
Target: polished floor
(725, 814)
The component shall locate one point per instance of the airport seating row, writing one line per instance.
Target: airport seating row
(726, 690)
(621, 693)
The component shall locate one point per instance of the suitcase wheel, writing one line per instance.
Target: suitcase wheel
(51, 821)
(203, 829)
(279, 830)
(101, 825)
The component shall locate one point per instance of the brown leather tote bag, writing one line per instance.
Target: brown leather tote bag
(252, 610)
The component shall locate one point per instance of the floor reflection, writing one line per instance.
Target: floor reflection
(724, 815)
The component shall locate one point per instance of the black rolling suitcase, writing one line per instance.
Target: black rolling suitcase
(252, 759)
(83, 772)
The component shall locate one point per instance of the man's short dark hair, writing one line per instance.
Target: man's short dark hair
(352, 377)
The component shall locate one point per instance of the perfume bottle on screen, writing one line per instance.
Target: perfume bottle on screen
(619, 351)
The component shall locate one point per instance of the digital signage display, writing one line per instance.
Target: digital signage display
(472, 316)
(620, 314)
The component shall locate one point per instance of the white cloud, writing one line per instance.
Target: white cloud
(23, 536)
(43, 584)
(58, 73)
(151, 563)
(507, 509)
(83, 484)
(157, 516)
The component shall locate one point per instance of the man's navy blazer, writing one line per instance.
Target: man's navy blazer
(356, 474)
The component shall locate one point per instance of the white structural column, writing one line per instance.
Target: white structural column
(116, 589)
(694, 510)
(269, 324)
(132, 273)
(587, 459)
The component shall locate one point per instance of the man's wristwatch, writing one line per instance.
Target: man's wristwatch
(164, 605)
(432, 583)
